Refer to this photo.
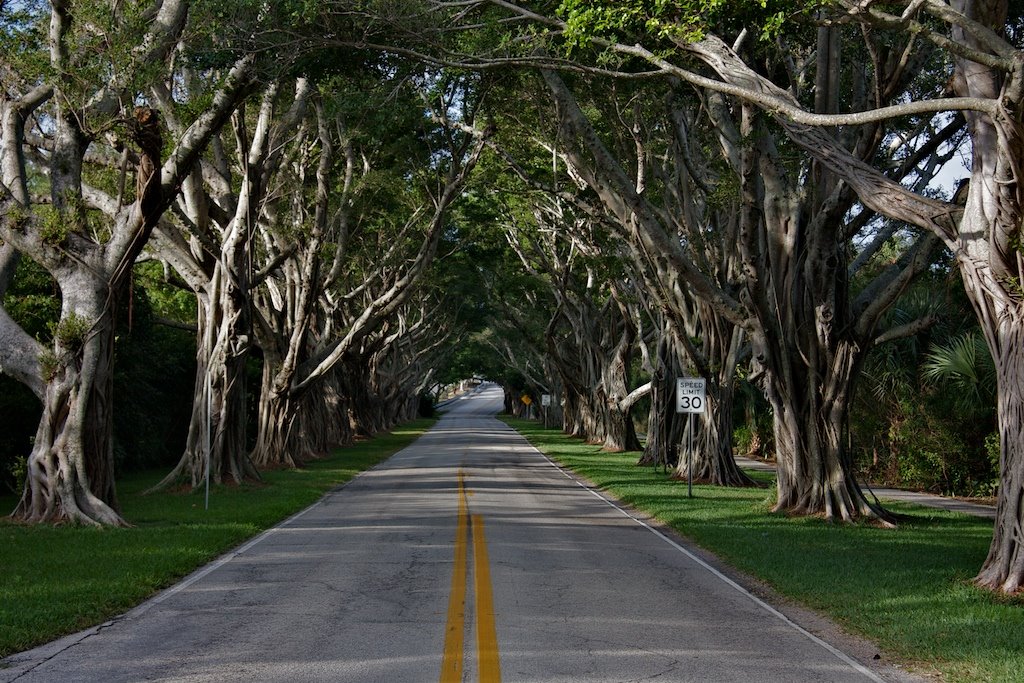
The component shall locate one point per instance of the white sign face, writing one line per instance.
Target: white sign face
(545, 400)
(690, 395)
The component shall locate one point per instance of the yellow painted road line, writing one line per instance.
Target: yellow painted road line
(486, 635)
(451, 665)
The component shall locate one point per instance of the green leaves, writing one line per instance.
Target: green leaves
(681, 21)
(965, 365)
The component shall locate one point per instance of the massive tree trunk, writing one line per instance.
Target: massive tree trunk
(665, 427)
(284, 412)
(223, 281)
(810, 404)
(570, 364)
(71, 465)
(279, 441)
(594, 372)
(809, 362)
(366, 407)
(717, 359)
(1004, 567)
(71, 468)
(988, 250)
(620, 433)
(713, 460)
(217, 429)
(337, 429)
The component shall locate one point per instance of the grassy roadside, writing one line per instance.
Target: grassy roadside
(908, 590)
(57, 580)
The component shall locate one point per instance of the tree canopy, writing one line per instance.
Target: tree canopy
(342, 208)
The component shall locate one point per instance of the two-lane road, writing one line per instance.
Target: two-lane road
(467, 556)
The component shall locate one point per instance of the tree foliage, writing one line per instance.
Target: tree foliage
(679, 20)
(584, 199)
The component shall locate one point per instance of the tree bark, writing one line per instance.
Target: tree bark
(217, 429)
(620, 433)
(665, 427)
(714, 462)
(1003, 569)
(276, 443)
(71, 468)
(223, 286)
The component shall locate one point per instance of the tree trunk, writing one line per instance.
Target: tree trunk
(620, 433)
(810, 406)
(665, 427)
(722, 342)
(713, 459)
(1004, 567)
(217, 430)
(70, 470)
(509, 401)
(71, 466)
(339, 432)
(277, 441)
(988, 250)
(312, 435)
(366, 407)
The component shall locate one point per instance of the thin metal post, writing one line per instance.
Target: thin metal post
(209, 428)
(689, 462)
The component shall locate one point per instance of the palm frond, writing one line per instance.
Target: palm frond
(965, 366)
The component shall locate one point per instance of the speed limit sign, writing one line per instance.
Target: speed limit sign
(690, 395)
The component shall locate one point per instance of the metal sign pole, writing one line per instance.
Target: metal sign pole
(689, 463)
(690, 398)
(209, 429)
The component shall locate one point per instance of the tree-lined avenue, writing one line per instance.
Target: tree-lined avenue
(357, 588)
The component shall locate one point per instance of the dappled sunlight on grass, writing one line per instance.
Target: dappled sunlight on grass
(908, 589)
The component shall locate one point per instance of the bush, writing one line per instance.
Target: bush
(935, 454)
(17, 471)
(755, 435)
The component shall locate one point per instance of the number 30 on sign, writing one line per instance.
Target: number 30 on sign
(690, 395)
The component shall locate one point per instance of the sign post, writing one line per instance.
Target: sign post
(525, 398)
(691, 398)
(545, 403)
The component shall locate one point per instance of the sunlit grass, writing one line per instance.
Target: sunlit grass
(57, 580)
(907, 589)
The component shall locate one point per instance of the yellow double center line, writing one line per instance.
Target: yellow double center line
(486, 635)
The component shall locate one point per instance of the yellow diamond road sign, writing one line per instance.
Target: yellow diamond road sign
(525, 398)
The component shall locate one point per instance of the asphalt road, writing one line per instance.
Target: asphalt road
(467, 556)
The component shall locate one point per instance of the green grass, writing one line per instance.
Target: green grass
(57, 580)
(908, 589)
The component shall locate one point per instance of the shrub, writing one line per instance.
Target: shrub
(934, 453)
